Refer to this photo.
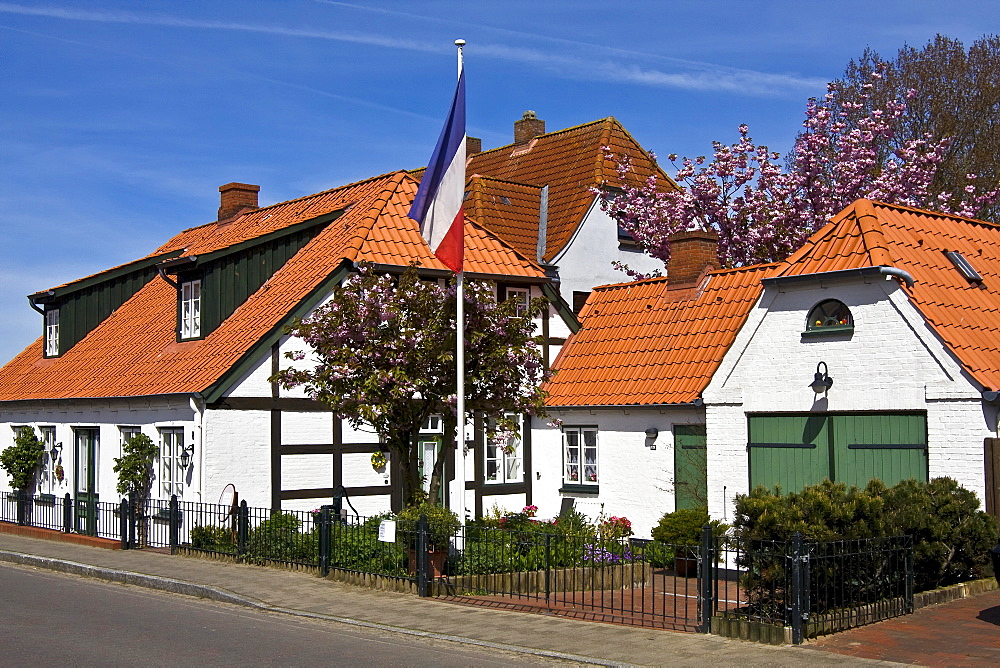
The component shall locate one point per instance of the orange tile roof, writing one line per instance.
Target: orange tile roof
(964, 315)
(134, 352)
(640, 345)
(570, 162)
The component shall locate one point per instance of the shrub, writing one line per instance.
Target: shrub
(212, 538)
(952, 537)
(442, 523)
(684, 527)
(21, 460)
(279, 538)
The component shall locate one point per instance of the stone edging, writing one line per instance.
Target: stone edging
(954, 592)
(224, 596)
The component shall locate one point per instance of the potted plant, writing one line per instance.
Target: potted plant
(442, 525)
(680, 532)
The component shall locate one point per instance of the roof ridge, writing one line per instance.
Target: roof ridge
(547, 134)
(928, 212)
(302, 198)
(371, 214)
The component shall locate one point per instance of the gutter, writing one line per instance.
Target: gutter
(697, 403)
(162, 267)
(991, 396)
(866, 273)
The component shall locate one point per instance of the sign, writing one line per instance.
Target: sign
(387, 531)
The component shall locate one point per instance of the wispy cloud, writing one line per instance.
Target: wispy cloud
(693, 74)
(611, 65)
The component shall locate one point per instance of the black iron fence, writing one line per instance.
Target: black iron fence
(807, 587)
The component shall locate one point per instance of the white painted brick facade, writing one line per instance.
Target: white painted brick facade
(892, 362)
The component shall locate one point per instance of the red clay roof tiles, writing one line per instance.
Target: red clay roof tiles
(134, 352)
(640, 345)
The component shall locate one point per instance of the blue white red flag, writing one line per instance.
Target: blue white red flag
(438, 204)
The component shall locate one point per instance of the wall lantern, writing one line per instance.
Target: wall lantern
(652, 432)
(56, 449)
(185, 457)
(821, 380)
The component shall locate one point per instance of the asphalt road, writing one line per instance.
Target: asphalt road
(55, 619)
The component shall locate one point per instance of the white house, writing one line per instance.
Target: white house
(675, 396)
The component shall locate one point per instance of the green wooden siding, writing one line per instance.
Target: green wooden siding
(793, 451)
(229, 281)
(690, 466)
(83, 310)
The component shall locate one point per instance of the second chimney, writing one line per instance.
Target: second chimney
(691, 252)
(529, 127)
(237, 197)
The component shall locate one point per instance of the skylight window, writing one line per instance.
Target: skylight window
(964, 268)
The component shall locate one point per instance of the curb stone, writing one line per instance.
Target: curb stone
(223, 596)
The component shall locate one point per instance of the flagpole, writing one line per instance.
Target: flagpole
(460, 506)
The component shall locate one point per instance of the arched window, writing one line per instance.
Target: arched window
(830, 316)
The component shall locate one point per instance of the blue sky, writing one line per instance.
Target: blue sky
(121, 119)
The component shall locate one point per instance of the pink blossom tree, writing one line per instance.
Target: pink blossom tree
(764, 210)
(383, 356)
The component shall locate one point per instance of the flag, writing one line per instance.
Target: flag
(438, 204)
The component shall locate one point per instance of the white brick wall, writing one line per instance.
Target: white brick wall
(892, 362)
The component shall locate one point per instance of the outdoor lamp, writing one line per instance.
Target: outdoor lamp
(821, 380)
(56, 449)
(185, 456)
(652, 432)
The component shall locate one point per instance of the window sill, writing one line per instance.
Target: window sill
(828, 331)
(577, 488)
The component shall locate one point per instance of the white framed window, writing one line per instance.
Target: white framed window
(52, 332)
(48, 480)
(190, 309)
(522, 297)
(433, 425)
(504, 458)
(580, 456)
(126, 433)
(171, 472)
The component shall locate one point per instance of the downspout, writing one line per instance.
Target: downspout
(35, 306)
(163, 275)
(898, 273)
(197, 403)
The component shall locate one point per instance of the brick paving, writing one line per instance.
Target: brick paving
(304, 593)
(965, 632)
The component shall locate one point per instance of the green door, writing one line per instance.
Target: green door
(690, 466)
(85, 477)
(890, 447)
(798, 450)
(790, 451)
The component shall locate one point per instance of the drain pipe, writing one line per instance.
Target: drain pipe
(197, 403)
(898, 273)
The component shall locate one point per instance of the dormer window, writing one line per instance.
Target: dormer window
(190, 312)
(52, 332)
(521, 299)
(829, 317)
(964, 268)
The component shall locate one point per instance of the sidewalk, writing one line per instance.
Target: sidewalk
(301, 593)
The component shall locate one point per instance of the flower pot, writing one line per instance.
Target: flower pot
(437, 559)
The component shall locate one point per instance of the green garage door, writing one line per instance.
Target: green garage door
(797, 450)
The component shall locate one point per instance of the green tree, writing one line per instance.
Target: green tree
(958, 99)
(21, 460)
(384, 354)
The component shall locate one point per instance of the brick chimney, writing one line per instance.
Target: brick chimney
(691, 252)
(528, 128)
(473, 145)
(237, 197)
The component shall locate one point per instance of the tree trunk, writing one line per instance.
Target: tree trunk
(447, 450)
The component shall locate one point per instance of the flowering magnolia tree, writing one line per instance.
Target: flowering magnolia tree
(764, 210)
(383, 354)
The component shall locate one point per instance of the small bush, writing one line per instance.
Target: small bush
(279, 538)
(684, 527)
(213, 538)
